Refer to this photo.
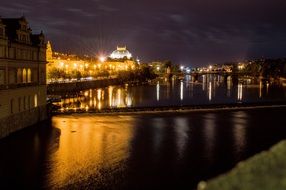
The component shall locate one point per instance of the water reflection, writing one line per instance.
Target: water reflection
(239, 130)
(158, 90)
(182, 90)
(260, 89)
(209, 134)
(103, 146)
(181, 129)
(239, 92)
(210, 91)
(229, 84)
(206, 89)
(146, 151)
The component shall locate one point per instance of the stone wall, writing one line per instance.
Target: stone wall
(18, 121)
(58, 88)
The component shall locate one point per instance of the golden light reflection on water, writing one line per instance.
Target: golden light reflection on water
(117, 97)
(215, 89)
(87, 146)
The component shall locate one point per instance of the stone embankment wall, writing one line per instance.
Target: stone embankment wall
(21, 120)
(58, 88)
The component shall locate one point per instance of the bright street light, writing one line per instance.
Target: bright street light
(102, 59)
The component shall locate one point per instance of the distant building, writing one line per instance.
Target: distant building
(120, 60)
(22, 76)
(68, 63)
(121, 53)
(68, 67)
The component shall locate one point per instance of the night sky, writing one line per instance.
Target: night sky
(189, 32)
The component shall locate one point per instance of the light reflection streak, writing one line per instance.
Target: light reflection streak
(209, 134)
(228, 84)
(260, 89)
(204, 82)
(239, 92)
(239, 130)
(182, 90)
(158, 90)
(99, 94)
(158, 133)
(210, 91)
(99, 105)
(181, 128)
(110, 94)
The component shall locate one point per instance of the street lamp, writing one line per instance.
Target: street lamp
(158, 68)
(102, 59)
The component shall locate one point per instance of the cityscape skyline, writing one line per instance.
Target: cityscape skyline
(71, 121)
(193, 33)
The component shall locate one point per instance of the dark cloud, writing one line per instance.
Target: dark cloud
(190, 32)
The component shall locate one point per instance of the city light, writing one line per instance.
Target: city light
(102, 59)
(188, 70)
(158, 68)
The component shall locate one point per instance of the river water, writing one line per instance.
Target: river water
(143, 151)
(208, 89)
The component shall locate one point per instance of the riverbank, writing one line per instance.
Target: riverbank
(263, 171)
(70, 88)
(166, 109)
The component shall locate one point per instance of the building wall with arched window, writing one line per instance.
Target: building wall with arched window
(22, 76)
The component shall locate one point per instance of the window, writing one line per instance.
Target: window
(24, 75)
(36, 100)
(29, 76)
(19, 76)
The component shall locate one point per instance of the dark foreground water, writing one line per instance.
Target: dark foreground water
(150, 151)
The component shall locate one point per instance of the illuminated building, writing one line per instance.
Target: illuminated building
(69, 67)
(22, 76)
(68, 63)
(120, 60)
(121, 53)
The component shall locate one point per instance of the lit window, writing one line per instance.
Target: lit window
(24, 75)
(36, 100)
(29, 75)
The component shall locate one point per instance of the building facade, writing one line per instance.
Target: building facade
(22, 76)
(63, 67)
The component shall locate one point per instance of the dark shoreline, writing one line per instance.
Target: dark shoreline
(179, 109)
